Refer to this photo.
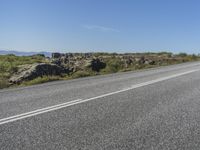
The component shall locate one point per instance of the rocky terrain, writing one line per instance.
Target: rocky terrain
(30, 72)
(22, 69)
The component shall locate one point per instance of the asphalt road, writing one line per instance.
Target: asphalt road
(151, 109)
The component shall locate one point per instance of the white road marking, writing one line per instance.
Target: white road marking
(74, 102)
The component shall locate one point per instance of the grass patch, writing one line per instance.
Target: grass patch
(4, 83)
(9, 65)
(81, 74)
(40, 80)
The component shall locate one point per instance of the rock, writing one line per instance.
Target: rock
(88, 55)
(137, 60)
(96, 64)
(146, 62)
(30, 72)
(56, 62)
(140, 60)
(149, 62)
(56, 55)
(152, 62)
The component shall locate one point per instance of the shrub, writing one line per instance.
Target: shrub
(113, 65)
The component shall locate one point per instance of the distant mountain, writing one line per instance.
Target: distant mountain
(19, 53)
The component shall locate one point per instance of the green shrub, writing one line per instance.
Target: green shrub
(113, 65)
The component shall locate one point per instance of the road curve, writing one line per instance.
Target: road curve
(151, 109)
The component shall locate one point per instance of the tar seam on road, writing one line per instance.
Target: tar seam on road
(74, 102)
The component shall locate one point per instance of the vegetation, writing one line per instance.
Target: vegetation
(40, 80)
(9, 64)
(112, 63)
(81, 74)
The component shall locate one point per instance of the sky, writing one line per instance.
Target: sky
(100, 25)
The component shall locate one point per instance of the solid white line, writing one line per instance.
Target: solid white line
(74, 102)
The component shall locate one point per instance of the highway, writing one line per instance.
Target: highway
(150, 109)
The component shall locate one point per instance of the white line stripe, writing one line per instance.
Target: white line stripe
(74, 102)
(36, 112)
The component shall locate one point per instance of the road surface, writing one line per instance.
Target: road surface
(151, 109)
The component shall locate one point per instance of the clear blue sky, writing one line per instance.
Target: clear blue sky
(100, 25)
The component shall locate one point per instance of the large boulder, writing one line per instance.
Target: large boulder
(95, 64)
(29, 72)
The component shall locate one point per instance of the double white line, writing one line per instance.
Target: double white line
(78, 101)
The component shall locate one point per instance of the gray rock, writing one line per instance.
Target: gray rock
(96, 64)
(149, 62)
(29, 72)
(56, 55)
(56, 62)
